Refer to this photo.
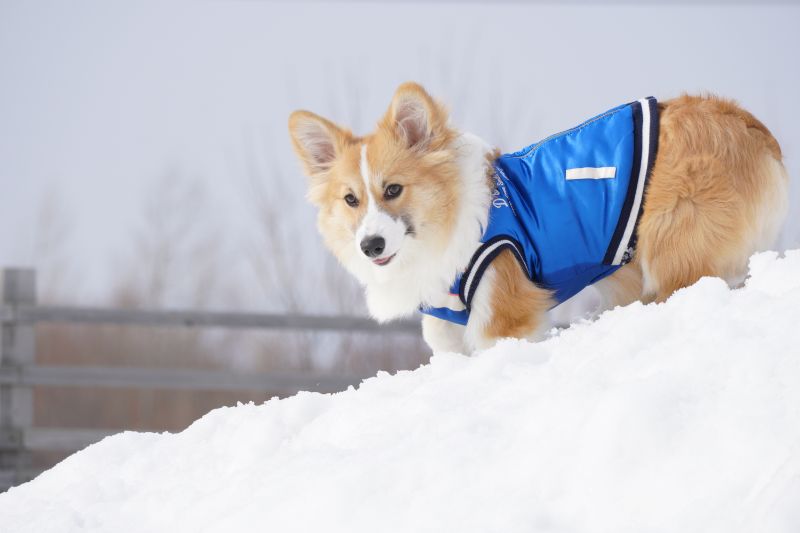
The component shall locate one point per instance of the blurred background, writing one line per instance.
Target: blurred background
(145, 161)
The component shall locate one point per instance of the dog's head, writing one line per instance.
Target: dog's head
(388, 199)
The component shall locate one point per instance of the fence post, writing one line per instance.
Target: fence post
(17, 350)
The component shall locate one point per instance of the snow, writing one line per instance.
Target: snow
(682, 416)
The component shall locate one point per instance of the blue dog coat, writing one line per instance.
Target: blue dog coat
(567, 206)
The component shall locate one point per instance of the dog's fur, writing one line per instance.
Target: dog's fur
(717, 193)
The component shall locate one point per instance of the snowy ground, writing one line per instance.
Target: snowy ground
(681, 417)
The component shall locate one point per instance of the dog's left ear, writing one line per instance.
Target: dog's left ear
(414, 116)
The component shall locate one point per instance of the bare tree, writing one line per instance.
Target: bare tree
(56, 278)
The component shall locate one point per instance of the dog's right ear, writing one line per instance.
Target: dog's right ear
(316, 141)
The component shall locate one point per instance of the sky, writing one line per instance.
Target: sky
(104, 105)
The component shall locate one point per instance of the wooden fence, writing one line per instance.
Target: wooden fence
(19, 372)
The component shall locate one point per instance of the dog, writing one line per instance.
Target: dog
(639, 201)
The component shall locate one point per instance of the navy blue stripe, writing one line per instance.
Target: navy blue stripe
(630, 195)
(651, 159)
(481, 267)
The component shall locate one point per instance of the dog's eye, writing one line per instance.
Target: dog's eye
(392, 191)
(351, 200)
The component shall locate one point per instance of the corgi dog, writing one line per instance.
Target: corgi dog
(639, 201)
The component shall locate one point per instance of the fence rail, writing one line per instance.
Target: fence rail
(170, 378)
(33, 314)
(19, 372)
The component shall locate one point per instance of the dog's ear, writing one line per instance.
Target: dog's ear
(414, 116)
(316, 141)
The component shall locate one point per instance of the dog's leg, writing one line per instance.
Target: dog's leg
(506, 304)
(691, 239)
(623, 287)
(443, 336)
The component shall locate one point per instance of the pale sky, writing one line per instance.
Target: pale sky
(99, 101)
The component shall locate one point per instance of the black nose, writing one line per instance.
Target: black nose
(373, 245)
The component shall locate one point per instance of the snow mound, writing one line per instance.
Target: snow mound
(679, 417)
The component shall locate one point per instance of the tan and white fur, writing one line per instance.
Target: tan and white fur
(403, 210)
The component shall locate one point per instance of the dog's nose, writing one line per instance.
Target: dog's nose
(373, 245)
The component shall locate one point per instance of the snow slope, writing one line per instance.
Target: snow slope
(680, 417)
